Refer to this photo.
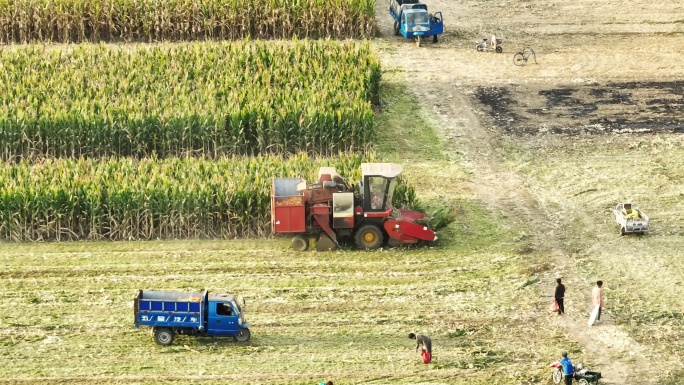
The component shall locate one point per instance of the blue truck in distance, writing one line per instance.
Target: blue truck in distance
(170, 313)
(412, 20)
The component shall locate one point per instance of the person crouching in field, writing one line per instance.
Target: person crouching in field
(426, 343)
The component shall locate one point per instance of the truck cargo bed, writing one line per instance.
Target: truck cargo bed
(169, 309)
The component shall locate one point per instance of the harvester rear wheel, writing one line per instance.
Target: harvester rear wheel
(369, 237)
(300, 243)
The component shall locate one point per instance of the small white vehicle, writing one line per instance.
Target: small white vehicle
(630, 219)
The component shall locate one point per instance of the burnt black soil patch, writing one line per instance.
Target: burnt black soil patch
(502, 106)
(616, 107)
(557, 97)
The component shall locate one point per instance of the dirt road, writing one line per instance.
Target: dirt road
(597, 64)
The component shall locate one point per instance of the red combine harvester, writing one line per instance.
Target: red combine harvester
(331, 210)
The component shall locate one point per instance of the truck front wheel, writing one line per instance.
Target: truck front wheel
(623, 231)
(163, 336)
(243, 335)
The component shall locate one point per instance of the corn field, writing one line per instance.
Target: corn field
(72, 21)
(127, 199)
(212, 99)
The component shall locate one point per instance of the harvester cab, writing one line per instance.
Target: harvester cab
(329, 210)
(377, 186)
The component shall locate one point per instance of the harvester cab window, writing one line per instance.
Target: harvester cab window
(390, 193)
(376, 185)
(224, 309)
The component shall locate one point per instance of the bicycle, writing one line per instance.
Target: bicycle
(523, 56)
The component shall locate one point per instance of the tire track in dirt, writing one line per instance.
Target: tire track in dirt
(434, 75)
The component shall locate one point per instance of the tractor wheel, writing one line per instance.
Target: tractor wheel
(499, 49)
(369, 237)
(300, 243)
(243, 335)
(396, 29)
(419, 40)
(163, 336)
(557, 376)
(479, 48)
(583, 382)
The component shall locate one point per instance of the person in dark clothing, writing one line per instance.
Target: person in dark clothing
(559, 295)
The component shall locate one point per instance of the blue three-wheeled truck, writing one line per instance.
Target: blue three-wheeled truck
(412, 20)
(201, 314)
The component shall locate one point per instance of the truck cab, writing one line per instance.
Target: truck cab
(413, 21)
(224, 315)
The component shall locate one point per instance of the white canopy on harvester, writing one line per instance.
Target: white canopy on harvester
(388, 170)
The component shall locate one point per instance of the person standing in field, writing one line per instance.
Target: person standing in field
(559, 295)
(425, 342)
(597, 298)
(568, 368)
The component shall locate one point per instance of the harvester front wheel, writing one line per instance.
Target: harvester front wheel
(300, 243)
(369, 237)
(163, 336)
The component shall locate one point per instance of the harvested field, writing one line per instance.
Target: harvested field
(553, 146)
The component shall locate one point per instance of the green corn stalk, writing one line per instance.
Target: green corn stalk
(211, 99)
